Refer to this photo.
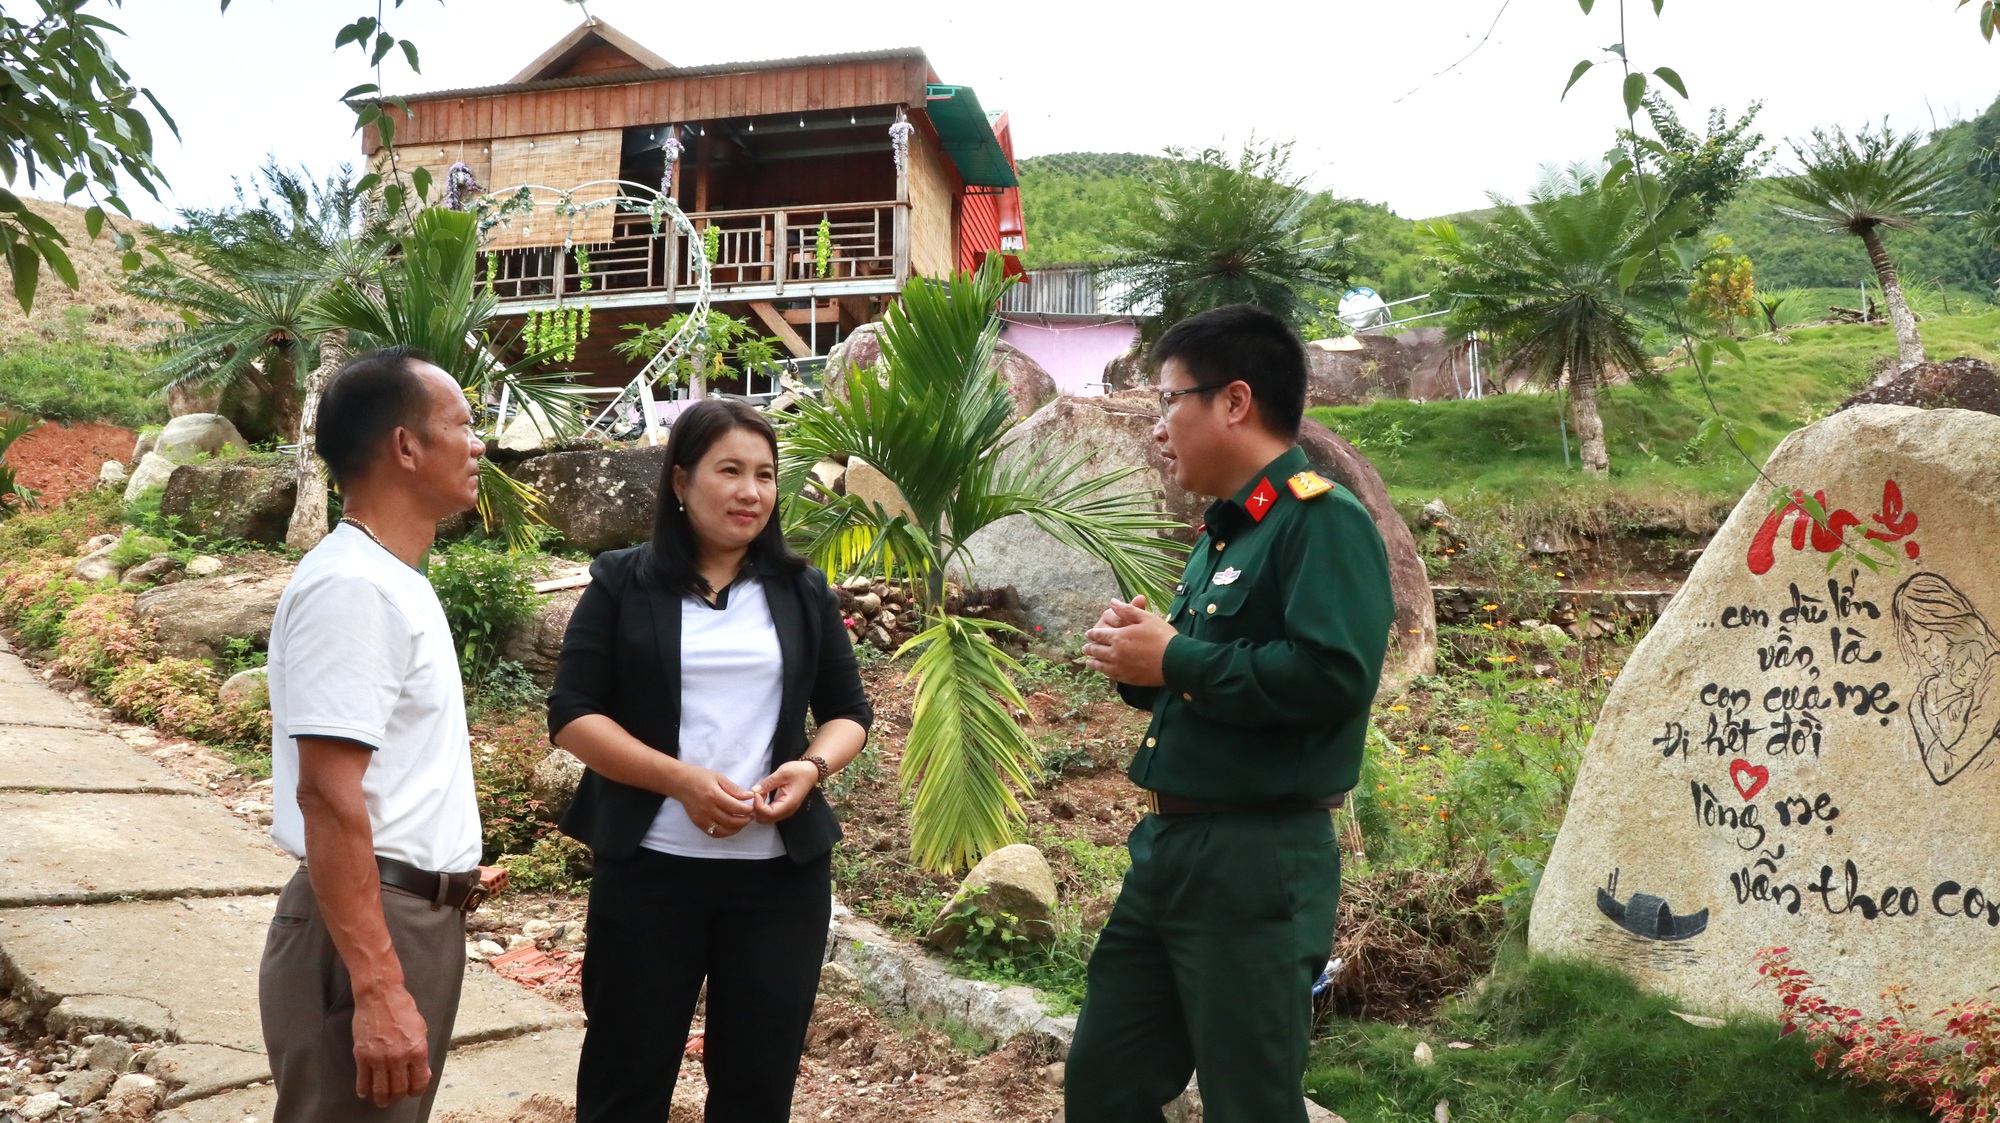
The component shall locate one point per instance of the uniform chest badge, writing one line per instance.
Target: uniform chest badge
(1305, 485)
(1227, 576)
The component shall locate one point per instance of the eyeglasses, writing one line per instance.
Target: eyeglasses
(1167, 396)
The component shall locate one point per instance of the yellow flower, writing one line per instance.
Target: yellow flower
(1423, 748)
(1429, 798)
(1398, 708)
(1463, 728)
(1488, 627)
(1385, 787)
(1513, 658)
(1560, 573)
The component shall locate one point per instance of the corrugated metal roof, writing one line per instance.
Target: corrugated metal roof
(627, 77)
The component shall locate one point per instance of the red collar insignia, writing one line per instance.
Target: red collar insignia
(1259, 503)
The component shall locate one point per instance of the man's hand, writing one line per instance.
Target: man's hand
(391, 1057)
(787, 788)
(1129, 644)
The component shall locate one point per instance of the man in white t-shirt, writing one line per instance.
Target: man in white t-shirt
(372, 764)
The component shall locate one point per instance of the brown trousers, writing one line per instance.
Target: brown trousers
(307, 1003)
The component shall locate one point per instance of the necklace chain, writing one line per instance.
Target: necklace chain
(372, 536)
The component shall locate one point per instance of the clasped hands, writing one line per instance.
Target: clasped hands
(1128, 644)
(719, 808)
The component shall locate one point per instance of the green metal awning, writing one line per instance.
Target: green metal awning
(968, 137)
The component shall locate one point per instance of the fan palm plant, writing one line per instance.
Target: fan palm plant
(243, 281)
(14, 495)
(934, 418)
(1210, 232)
(1862, 185)
(1564, 285)
(428, 296)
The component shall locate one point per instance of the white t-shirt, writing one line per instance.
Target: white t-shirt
(732, 682)
(360, 651)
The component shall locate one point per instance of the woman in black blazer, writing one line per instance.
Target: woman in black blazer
(685, 679)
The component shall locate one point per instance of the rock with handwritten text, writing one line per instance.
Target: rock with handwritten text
(1803, 751)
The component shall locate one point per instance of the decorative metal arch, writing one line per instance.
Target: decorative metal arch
(692, 338)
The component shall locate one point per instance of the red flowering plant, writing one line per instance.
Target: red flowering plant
(100, 636)
(1951, 1074)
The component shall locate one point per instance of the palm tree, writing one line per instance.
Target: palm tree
(934, 419)
(1563, 284)
(243, 281)
(1211, 232)
(428, 295)
(1862, 185)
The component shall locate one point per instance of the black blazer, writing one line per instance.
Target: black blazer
(621, 657)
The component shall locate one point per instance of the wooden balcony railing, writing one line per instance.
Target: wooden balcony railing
(756, 249)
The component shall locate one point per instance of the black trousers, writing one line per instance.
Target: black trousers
(659, 925)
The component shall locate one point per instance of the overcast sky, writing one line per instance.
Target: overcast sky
(1356, 84)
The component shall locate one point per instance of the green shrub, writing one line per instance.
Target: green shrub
(555, 861)
(171, 694)
(71, 382)
(39, 622)
(100, 636)
(503, 763)
(484, 593)
(62, 529)
(134, 547)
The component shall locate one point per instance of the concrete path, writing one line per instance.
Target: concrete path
(132, 902)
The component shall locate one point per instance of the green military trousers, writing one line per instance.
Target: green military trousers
(1207, 963)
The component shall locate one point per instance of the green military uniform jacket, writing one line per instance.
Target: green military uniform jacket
(1284, 613)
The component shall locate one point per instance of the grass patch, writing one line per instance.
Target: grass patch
(1507, 451)
(1558, 1040)
(71, 382)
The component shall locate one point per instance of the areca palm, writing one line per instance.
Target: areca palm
(1563, 284)
(428, 296)
(1212, 232)
(1862, 185)
(935, 419)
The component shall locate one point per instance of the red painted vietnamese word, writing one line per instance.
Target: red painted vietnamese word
(1891, 524)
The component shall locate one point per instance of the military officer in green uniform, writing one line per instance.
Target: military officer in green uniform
(1259, 679)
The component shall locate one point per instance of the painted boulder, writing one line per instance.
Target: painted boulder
(1802, 752)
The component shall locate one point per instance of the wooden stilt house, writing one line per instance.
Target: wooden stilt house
(780, 159)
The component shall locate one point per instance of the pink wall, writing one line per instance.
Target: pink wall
(1074, 353)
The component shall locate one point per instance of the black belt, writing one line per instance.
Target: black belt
(1161, 804)
(457, 890)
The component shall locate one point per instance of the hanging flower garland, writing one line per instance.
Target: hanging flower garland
(823, 249)
(459, 187)
(672, 151)
(899, 143)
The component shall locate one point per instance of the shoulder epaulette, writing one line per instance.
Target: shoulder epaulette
(1308, 485)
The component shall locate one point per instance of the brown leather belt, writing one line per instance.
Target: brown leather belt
(1161, 804)
(444, 890)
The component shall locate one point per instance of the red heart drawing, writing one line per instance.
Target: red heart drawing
(1748, 778)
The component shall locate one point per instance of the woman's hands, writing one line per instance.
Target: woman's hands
(716, 806)
(787, 788)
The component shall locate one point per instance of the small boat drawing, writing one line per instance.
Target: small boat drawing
(1649, 917)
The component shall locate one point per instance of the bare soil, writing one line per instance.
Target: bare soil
(57, 460)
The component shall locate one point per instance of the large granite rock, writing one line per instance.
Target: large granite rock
(861, 349)
(236, 498)
(1065, 590)
(599, 500)
(536, 642)
(193, 434)
(1028, 384)
(865, 482)
(1031, 386)
(1420, 364)
(153, 470)
(197, 619)
(1013, 880)
(1801, 753)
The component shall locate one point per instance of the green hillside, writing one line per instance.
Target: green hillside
(1507, 451)
(1072, 202)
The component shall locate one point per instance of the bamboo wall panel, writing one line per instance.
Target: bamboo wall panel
(555, 160)
(934, 188)
(701, 97)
